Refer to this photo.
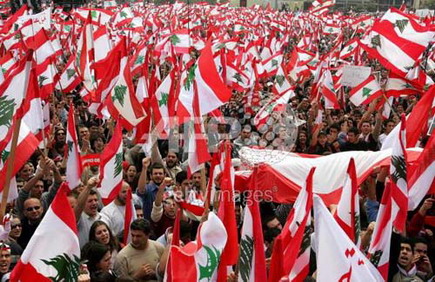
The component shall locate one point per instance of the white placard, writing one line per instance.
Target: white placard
(354, 75)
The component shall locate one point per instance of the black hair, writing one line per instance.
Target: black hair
(93, 252)
(180, 177)
(141, 224)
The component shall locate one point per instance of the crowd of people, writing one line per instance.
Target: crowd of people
(159, 181)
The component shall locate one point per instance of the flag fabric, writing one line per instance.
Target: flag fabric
(337, 257)
(291, 257)
(399, 178)
(204, 79)
(69, 79)
(111, 167)
(397, 41)
(45, 259)
(421, 178)
(227, 213)
(347, 214)
(379, 250)
(365, 92)
(199, 260)
(252, 260)
(74, 163)
(277, 104)
(129, 217)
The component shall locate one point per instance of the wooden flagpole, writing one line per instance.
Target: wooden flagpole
(9, 168)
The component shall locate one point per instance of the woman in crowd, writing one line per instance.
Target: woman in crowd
(101, 233)
(98, 258)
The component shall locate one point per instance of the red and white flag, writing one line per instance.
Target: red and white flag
(365, 92)
(347, 214)
(337, 256)
(291, 256)
(399, 178)
(252, 260)
(130, 215)
(111, 167)
(379, 250)
(45, 259)
(199, 260)
(421, 176)
(73, 163)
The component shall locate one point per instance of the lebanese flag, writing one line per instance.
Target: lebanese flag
(181, 41)
(74, 162)
(12, 95)
(350, 48)
(160, 100)
(277, 104)
(379, 250)
(328, 90)
(7, 64)
(111, 167)
(69, 79)
(291, 256)
(129, 217)
(122, 101)
(211, 91)
(32, 107)
(397, 86)
(347, 214)
(45, 259)
(12, 19)
(282, 84)
(26, 146)
(252, 260)
(200, 259)
(421, 176)
(47, 77)
(337, 256)
(365, 92)
(397, 40)
(227, 213)
(399, 178)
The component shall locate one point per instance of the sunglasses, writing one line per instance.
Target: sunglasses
(16, 226)
(36, 208)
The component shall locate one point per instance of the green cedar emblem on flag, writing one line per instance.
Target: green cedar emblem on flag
(70, 73)
(120, 91)
(4, 70)
(246, 256)
(213, 256)
(174, 39)
(237, 77)
(366, 92)
(190, 77)
(67, 268)
(94, 14)
(139, 60)
(118, 164)
(6, 111)
(280, 79)
(306, 239)
(274, 63)
(399, 165)
(67, 28)
(4, 155)
(164, 99)
(401, 24)
(123, 14)
(41, 80)
(376, 41)
(70, 145)
(350, 48)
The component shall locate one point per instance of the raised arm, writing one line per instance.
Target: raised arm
(141, 186)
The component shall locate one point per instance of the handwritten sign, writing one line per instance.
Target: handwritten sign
(354, 75)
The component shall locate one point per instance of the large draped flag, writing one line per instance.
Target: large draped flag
(252, 260)
(53, 252)
(347, 213)
(399, 179)
(337, 257)
(199, 260)
(74, 163)
(291, 255)
(111, 167)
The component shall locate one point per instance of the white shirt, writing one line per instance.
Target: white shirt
(114, 217)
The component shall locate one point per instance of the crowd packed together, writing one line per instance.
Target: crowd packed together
(158, 178)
